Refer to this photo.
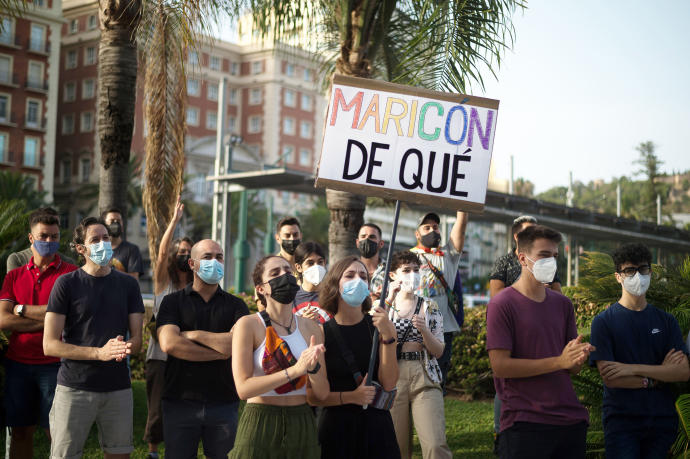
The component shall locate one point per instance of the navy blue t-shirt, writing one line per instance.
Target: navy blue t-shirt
(96, 309)
(636, 337)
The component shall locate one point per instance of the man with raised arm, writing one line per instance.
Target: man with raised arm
(90, 310)
(533, 349)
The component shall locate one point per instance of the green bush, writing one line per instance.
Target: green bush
(470, 371)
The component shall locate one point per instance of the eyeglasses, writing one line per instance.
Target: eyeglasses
(630, 271)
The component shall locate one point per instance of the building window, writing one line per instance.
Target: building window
(85, 169)
(31, 151)
(88, 89)
(290, 70)
(93, 22)
(66, 171)
(306, 102)
(35, 75)
(254, 124)
(193, 116)
(74, 26)
(71, 59)
(5, 69)
(290, 98)
(214, 64)
(289, 126)
(304, 157)
(70, 94)
(305, 129)
(212, 91)
(288, 155)
(307, 74)
(40, 3)
(5, 104)
(4, 147)
(90, 55)
(68, 123)
(233, 97)
(86, 124)
(211, 120)
(33, 113)
(193, 87)
(37, 38)
(232, 122)
(255, 96)
(6, 32)
(234, 68)
(193, 58)
(257, 67)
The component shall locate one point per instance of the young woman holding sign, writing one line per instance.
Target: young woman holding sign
(276, 356)
(346, 430)
(419, 326)
(310, 266)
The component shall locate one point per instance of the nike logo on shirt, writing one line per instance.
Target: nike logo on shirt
(655, 331)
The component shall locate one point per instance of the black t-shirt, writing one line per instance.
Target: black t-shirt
(96, 309)
(127, 258)
(202, 381)
(358, 338)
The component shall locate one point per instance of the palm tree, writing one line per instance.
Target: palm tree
(438, 44)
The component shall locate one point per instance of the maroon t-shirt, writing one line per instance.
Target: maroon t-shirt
(532, 330)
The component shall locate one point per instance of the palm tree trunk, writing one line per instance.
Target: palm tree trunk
(347, 216)
(117, 78)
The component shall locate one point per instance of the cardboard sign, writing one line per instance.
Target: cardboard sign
(414, 145)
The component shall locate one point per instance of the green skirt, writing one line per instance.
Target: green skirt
(276, 432)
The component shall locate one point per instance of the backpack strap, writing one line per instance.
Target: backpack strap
(345, 350)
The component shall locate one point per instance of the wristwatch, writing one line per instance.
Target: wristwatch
(20, 310)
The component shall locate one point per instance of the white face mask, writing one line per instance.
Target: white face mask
(409, 282)
(637, 285)
(314, 274)
(544, 269)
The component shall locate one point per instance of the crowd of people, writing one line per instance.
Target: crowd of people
(302, 361)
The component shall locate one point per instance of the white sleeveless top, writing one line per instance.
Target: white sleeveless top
(297, 345)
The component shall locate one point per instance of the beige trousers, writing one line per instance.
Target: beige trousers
(423, 399)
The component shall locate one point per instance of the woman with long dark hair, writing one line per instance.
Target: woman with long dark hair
(310, 266)
(172, 273)
(276, 356)
(346, 429)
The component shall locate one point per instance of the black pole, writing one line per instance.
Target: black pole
(384, 291)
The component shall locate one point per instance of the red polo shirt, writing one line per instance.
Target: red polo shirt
(29, 286)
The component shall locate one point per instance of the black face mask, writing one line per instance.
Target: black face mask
(368, 248)
(431, 240)
(284, 288)
(182, 263)
(115, 229)
(290, 245)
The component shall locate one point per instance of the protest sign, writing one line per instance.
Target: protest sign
(405, 143)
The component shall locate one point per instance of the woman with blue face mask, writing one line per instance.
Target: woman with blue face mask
(346, 429)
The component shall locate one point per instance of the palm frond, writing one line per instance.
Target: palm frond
(165, 105)
(680, 446)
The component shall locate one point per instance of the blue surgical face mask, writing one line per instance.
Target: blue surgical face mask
(101, 253)
(46, 248)
(210, 271)
(354, 292)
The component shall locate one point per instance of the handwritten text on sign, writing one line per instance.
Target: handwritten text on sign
(389, 142)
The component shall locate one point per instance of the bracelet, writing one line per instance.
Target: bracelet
(388, 341)
(341, 398)
(286, 374)
(315, 370)
(645, 383)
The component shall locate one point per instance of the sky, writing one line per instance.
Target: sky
(585, 82)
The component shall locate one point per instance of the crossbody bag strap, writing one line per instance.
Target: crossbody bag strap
(345, 350)
(437, 273)
(267, 320)
(417, 307)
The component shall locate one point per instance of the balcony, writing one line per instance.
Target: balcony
(35, 125)
(37, 86)
(11, 41)
(8, 119)
(38, 47)
(9, 80)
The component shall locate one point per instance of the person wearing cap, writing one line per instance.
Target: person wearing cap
(507, 268)
(445, 260)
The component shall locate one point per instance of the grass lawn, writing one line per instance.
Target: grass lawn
(468, 427)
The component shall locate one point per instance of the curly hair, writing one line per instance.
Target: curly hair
(634, 253)
(80, 231)
(403, 257)
(258, 275)
(329, 288)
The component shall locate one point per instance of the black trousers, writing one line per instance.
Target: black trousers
(528, 440)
